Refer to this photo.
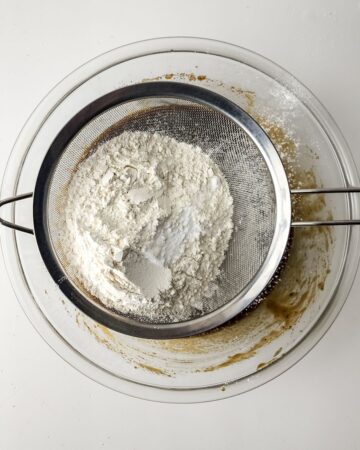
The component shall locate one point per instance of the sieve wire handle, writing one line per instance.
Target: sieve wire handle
(342, 190)
(13, 225)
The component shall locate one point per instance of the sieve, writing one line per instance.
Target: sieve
(243, 152)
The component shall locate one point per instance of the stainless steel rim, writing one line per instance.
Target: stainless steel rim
(281, 230)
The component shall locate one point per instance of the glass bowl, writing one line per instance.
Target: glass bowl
(314, 283)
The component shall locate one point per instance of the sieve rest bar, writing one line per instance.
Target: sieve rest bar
(344, 190)
(315, 223)
(10, 224)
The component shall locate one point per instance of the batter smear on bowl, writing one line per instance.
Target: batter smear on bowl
(147, 222)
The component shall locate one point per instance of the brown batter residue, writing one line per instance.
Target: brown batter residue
(282, 308)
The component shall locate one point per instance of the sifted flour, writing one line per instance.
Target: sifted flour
(147, 222)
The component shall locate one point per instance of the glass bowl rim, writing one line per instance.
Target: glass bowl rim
(9, 243)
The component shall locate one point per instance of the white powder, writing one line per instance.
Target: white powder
(147, 224)
(147, 273)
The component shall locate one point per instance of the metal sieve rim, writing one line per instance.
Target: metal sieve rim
(277, 248)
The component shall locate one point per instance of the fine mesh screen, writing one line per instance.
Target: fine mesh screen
(228, 145)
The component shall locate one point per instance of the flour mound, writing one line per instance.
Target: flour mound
(147, 222)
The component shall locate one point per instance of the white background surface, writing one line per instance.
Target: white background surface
(45, 403)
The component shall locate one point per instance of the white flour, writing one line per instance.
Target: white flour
(147, 224)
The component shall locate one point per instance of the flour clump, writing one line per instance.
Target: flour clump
(147, 222)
